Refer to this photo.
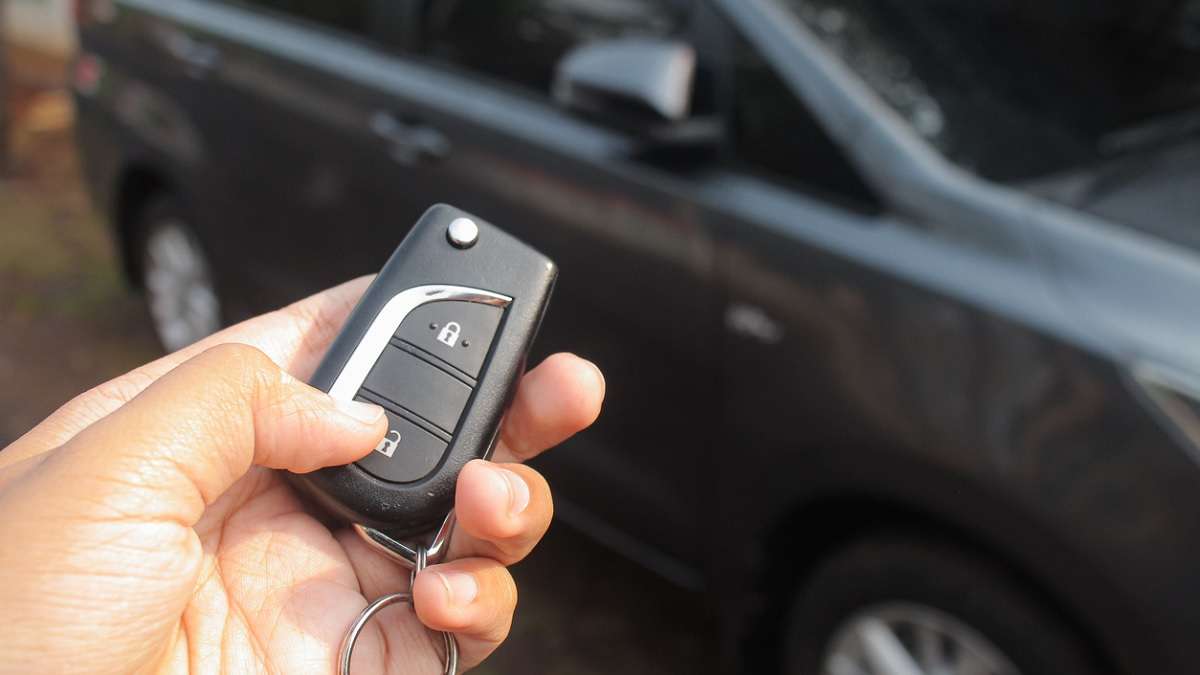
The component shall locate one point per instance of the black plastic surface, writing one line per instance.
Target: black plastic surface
(498, 263)
(459, 333)
(408, 453)
(417, 386)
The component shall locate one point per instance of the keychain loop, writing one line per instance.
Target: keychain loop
(347, 648)
(402, 552)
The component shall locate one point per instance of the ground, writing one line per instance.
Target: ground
(69, 322)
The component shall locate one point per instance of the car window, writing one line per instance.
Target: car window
(773, 134)
(353, 16)
(1017, 89)
(521, 41)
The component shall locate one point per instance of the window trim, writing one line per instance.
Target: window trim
(373, 37)
(727, 45)
(420, 53)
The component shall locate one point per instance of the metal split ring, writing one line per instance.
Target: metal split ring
(347, 648)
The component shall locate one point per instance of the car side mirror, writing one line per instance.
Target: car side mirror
(641, 85)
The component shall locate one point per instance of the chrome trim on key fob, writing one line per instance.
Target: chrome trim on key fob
(388, 321)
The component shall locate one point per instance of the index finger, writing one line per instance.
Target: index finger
(295, 338)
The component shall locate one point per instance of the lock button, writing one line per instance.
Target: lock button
(450, 334)
(406, 454)
(458, 333)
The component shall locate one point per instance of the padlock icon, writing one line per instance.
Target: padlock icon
(387, 447)
(449, 334)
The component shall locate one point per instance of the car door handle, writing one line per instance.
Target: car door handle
(199, 58)
(411, 142)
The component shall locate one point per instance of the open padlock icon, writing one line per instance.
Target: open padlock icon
(387, 447)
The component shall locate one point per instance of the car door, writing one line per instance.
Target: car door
(635, 292)
(289, 115)
(804, 333)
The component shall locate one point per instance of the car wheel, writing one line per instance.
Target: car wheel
(896, 606)
(176, 276)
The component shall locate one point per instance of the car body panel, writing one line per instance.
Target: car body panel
(560, 183)
(969, 354)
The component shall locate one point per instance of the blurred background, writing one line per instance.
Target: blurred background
(897, 301)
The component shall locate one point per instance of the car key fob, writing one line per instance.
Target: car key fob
(440, 341)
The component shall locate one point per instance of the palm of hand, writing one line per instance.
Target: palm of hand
(277, 589)
(130, 541)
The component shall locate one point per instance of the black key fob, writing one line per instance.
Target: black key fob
(440, 341)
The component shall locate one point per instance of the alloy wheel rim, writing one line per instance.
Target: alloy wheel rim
(911, 639)
(179, 288)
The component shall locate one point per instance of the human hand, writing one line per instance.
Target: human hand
(142, 527)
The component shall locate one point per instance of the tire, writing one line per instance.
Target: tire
(941, 604)
(176, 276)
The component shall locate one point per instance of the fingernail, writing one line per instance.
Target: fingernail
(461, 588)
(599, 376)
(367, 413)
(518, 491)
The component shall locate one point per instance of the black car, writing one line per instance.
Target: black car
(898, 301)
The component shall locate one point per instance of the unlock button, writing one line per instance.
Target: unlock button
(407, 453)
(459, 333)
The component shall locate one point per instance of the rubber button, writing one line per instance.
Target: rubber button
(406, 454)
(417, 386)
(460, 333)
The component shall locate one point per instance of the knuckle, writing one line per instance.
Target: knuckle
(316, 319)
(241, 366)
(236, 356)
(112, 394)
(238, 383)
(302, 418)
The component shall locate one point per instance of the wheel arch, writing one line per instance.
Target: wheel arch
(817, 529)
(139, 184)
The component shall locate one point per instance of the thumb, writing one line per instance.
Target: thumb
(97, 542)
(181, 443)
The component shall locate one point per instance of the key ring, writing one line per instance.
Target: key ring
(347, 648)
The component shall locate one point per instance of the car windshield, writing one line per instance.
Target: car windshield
(1016, 89)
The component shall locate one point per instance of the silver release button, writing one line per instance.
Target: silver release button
(463, 232)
